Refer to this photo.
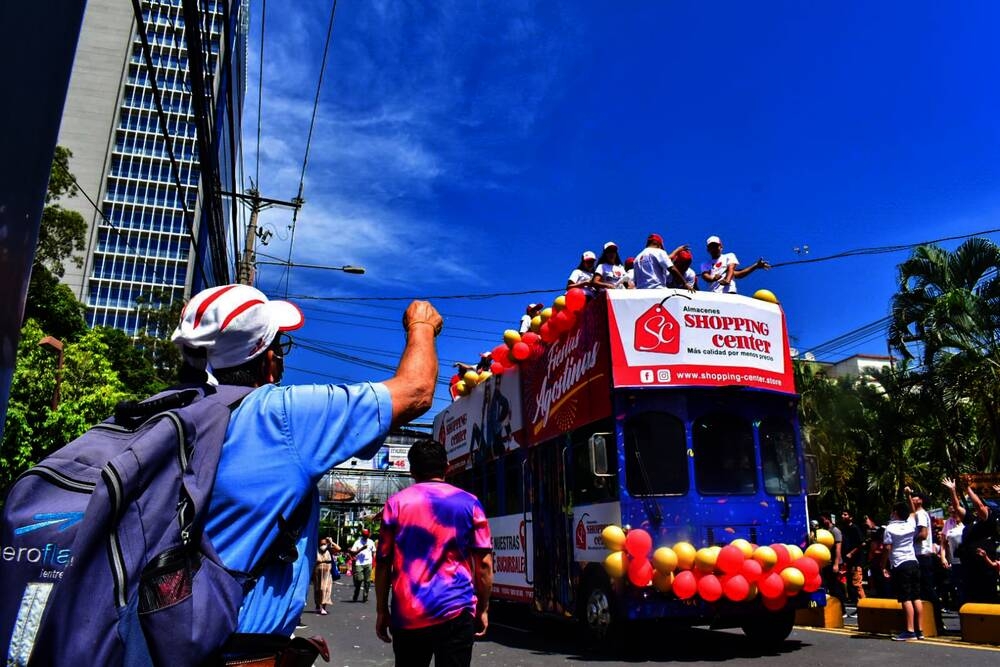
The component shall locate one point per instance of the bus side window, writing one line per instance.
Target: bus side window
(490, 498)
(724, 459)
(778, 456)
(655, 455)
(513, 485)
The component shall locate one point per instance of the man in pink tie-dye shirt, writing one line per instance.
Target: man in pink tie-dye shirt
(434, 553)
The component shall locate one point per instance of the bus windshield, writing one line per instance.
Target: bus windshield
(655, 441)
(778, 457)
(724, 461)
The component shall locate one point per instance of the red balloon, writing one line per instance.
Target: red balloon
(520, 351)
(751, 570)
(685, 585)
(640, 572)
(560, 321)
(775, 603)
(736, 588)
(813, 584)
(710, 588)
(530, 337)
(784, 559)
(638, 543)
(548, 334)
(571, 319)
(576, 299)
(772, 585)
(730, 560)
(537, 350)
(807, 566)
(496, 368)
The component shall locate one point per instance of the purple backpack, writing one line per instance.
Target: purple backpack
(102, 554)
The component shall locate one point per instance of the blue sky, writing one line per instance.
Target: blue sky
(467, 148)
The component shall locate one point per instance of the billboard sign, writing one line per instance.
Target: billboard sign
(668, 338)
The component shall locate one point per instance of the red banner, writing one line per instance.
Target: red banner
(570, 385)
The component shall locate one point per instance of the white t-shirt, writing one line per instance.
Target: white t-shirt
(629, 278)
(954, 537)
(689, 279)
(580, 276)
(652, 268)
(900, 535)
(717, 269)
(365, 548)
(525, 323)
(612, 275)
(924, 547)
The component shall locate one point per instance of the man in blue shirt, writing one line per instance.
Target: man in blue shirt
(282, 440)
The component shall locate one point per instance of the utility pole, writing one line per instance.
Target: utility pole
(248, 262)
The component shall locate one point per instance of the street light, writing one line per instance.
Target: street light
(56, 345)
(347, 268)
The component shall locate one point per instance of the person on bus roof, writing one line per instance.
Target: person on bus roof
(583, 275)
(653, 266)
(722, 271)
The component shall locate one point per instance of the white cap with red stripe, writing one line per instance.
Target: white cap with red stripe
(233, 323)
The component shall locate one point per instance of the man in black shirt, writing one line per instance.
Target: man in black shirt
(855, 553)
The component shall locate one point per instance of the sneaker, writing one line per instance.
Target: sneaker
(919, 634)
(906, 636)
(301, 626)
(323, 612)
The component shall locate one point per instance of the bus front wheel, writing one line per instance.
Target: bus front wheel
(597, 613)
(770, 630)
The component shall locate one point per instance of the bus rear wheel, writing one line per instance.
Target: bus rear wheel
(597, 612)
(770, 630)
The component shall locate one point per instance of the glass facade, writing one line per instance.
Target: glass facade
(151, 249)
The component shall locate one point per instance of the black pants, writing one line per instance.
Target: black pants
(450, 643)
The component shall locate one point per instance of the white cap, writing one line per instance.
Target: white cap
(233, 323)
(589, 255)
(610, 244)
(713, 239)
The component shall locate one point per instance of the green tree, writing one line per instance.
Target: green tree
(54, 306)
(89, 391)
(948, 310)
(62, 232)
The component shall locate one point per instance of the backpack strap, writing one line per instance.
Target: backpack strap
(283, 548)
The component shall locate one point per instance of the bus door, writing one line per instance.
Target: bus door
(744, 455)
(550, 526)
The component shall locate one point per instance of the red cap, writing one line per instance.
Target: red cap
(654, 238)
(684, 255)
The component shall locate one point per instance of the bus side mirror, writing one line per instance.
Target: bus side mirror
(812, 475)
(598, 445)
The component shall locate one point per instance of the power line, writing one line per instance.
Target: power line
(312, 125)
(260, 87)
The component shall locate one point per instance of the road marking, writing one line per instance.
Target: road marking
(941, 641)
(509, 627)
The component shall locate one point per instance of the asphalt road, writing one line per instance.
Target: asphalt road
(516, 638)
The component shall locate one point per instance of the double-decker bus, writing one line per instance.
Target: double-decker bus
(658, 409)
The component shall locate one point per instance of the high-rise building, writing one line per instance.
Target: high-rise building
(157, 220)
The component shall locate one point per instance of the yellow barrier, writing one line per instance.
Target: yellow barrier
(980, 622)
(882, 616)
(830, 616)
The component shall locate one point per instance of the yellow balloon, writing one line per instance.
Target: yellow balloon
(705, 559)
(614, 564)
(461, 388)
(559, 303)
(664, 560)
(794, 580)
(471, 378)
(766, 557)
(765, 295)
(484, 376)
(824, 537)
(614, 538)
(663, 581)
(546, 314)
(536, 323)
(794, 552)
(819, 553)
(510, 337)
(685, 555)
(743, 546)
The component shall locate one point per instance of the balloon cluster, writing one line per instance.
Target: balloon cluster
(546, 328)
(739, 571)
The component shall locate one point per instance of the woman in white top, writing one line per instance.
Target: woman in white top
(583, 275)
(610, 274)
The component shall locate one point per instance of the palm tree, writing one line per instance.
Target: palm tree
(948, 305)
